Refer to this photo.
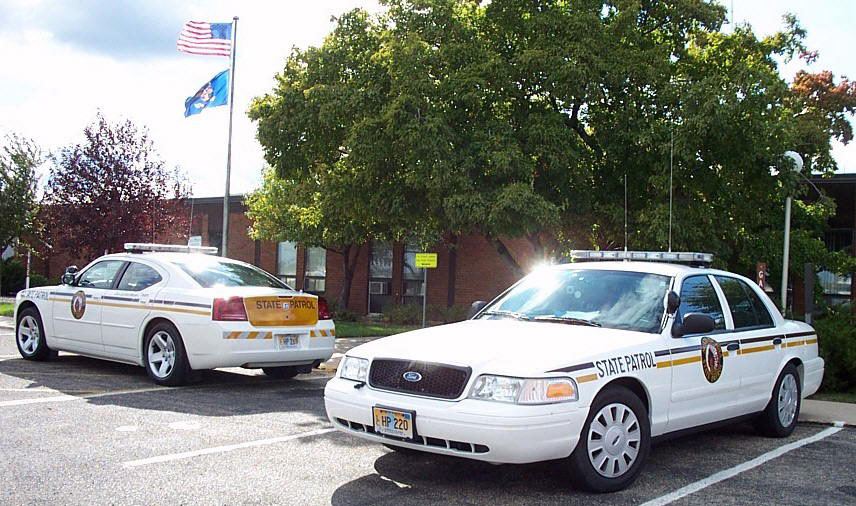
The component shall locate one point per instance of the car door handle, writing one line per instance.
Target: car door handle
(777, 340)
(733, 347)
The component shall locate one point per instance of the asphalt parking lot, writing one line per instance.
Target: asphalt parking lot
(79, 430)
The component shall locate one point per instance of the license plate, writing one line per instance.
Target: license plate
(393, 423)
(287, 341)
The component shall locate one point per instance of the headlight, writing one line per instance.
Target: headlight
(354, 368)
(524, 390)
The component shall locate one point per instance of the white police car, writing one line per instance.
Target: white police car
(173, 311)
(585, 362)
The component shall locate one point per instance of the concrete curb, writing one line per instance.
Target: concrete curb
(838, 414)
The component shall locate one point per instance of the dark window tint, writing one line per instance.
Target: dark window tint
(101, 275)
(698, 296)
(212, 273)
(742, 312)
(138, 277)
(764, 317)
(747, 310)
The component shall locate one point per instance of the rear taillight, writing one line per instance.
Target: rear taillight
(324, 309)
(231, 309)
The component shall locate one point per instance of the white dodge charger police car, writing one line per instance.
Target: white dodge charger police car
(585, 362)
(174, 311)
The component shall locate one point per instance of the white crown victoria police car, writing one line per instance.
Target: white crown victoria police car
(174, 311)
(585, 362)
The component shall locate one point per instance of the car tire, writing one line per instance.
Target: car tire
(283, 372)
(164, 355)
(780, 416)
(30, 336)
(614, 442)
(402, 450)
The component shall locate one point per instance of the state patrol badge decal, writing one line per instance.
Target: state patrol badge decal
(711, 359)
(78, 304)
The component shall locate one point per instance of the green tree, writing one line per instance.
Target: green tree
(19, 208)
(516, 118)
(313, 213)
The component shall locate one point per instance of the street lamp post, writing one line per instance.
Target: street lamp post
(796, 167)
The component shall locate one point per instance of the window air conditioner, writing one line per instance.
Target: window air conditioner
(377, 288)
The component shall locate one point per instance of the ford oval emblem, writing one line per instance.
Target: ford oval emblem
(412, 376)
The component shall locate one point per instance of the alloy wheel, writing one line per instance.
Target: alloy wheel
(161, 354)
(28, 335)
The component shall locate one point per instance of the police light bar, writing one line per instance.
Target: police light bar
(648, 256)
(139, 247)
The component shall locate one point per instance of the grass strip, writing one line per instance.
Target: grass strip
(367, 329)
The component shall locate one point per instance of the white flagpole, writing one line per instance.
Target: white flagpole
(229, 149)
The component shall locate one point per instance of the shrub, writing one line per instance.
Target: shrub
(403, 314)
(13, 275)
(450, 314)
(836, 334)
(37, 279)
(341, 313)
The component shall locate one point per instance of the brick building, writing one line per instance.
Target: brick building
(384, 274)
(468, 271)
(841, 235)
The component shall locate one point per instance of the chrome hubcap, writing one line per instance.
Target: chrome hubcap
(28, 335)
(613, 440)
(161, 354)
(788, 396)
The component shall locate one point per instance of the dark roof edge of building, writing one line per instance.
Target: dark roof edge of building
(845, 178)
(216, 200)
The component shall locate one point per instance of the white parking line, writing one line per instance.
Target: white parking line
(66, 398)
(740, 468)
(226, 448)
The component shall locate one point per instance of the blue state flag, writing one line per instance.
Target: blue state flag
(213, 93)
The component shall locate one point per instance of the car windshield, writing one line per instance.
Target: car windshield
(213, 273)
(600, 298)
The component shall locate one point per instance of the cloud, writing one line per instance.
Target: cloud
(111, 28)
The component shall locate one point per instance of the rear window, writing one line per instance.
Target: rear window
(213, 273)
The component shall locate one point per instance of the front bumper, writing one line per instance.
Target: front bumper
(481, 430)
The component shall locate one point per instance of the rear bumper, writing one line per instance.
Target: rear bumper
(225, 344)
(481, 430)
(813, 372)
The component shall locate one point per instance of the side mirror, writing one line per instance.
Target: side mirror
(673, 302)
(694, 323)
(68, 277)
(475, 308)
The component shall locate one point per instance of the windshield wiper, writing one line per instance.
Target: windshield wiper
(565, 319)
(512, 314)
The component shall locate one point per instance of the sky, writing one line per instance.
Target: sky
(63, 61)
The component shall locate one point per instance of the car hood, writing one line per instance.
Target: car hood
(509, 347)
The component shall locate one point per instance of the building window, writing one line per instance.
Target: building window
(836, 287)
(414, 288)
(286, 263)
(380, 276)
(316, 270)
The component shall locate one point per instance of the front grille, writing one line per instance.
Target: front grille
(438, 380)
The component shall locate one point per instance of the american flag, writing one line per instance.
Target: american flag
(199, 37)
